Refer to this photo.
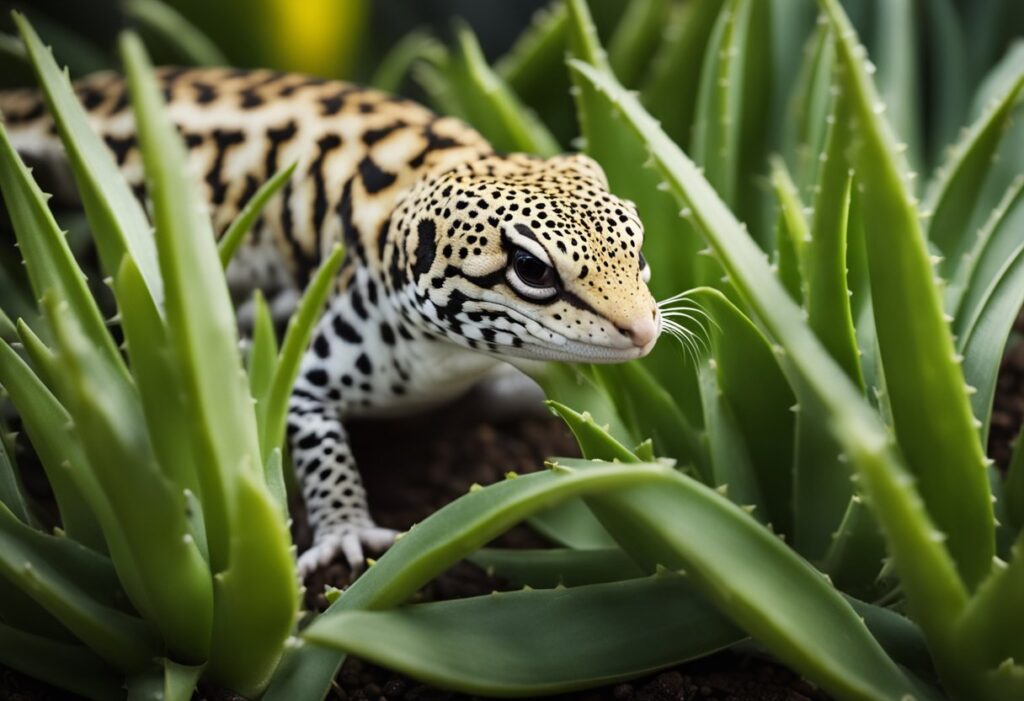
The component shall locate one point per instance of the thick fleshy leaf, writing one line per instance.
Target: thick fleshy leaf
(274, 407)
(394, 67)
(931, 411)
(76, 586)
(67, 666)
(200, 318)
(537, 642)
(236, 232)
(118, 224)
(12, 493)
(928, 574)
(989, 628)
(898, 74)
(444, 538)
(170, 27)
(670, 92)
(636, 38)
(553, 567)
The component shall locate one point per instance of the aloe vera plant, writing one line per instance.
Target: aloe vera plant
(828, 420)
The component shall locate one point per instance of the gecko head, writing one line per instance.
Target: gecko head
(521, 256)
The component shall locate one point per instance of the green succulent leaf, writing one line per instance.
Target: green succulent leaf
(12, 493)
(67, 666)
(928, 573)
(491, 106)
(161, 20)
(116, 219)
(447, 536)
(243, 222)
(200, 317)
(932, 415)
(578, 638)
(300, 329)
(635, 40)
(670, 92)
(395, 65)
(554, 567)
(78, 587)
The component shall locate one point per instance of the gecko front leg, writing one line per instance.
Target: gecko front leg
(326, 469)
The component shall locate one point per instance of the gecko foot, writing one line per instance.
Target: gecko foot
(349, 541)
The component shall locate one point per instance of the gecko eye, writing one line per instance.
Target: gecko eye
(531, 277)
(645, 270)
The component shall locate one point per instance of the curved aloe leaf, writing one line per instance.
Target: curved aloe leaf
(670, 92)
(169, 682)
(12, 493)
(953, 193)
(898, 74)
(947, 77)
(804, 133)
(274, 408)
(636, 38)
(989, 628)
(77, 587)
(47, 256)
(553, 567)
(257, 597)
(444, 538)
(729, 137)
(491, 106)
(527, 67)
(67, 666)
(928, 574)
(394, 67)
(116, 219)
(577, 638)
(47, 423)
(163, 21)
(571, 524)
(200, 318)
(156, 556)
(932, 414)
(242, 223)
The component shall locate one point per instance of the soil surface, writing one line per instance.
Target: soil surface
(414, 466)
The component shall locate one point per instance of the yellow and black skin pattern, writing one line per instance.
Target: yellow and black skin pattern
(458, 258)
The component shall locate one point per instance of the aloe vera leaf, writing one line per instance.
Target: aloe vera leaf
(947, 74)
(445, 537)
(169, 682)
(200, 318)
(76, 586)
(158, 380)
(575, 385)
(67, 666)
(262, 360)
(732, 471)
(995, 243)
(172, 28)
(156, 556)
(744, 359)
(48, 427)
(895, 48)
(439, 87)
(571, 524)
(42, 359)
(296, 340)
(240, 226)
(490, 104)
(635, 39)
(257, 596)
(986, 334)
(933, 419)
(729, 136)
(593, 439)
(785, 262)
(989, 628)
(47, 256)
(538, 52)
(828, 297)
(856, 551)
(578, 638)
(752, 577)
(793, 226)
(22, 612)
(670, 246)
(12, 493)
(116, 219)
(928, 573)
(670, 92)
(954, 190)
(392, 70)
(651, 412)
(805, 129)
(553, 567)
